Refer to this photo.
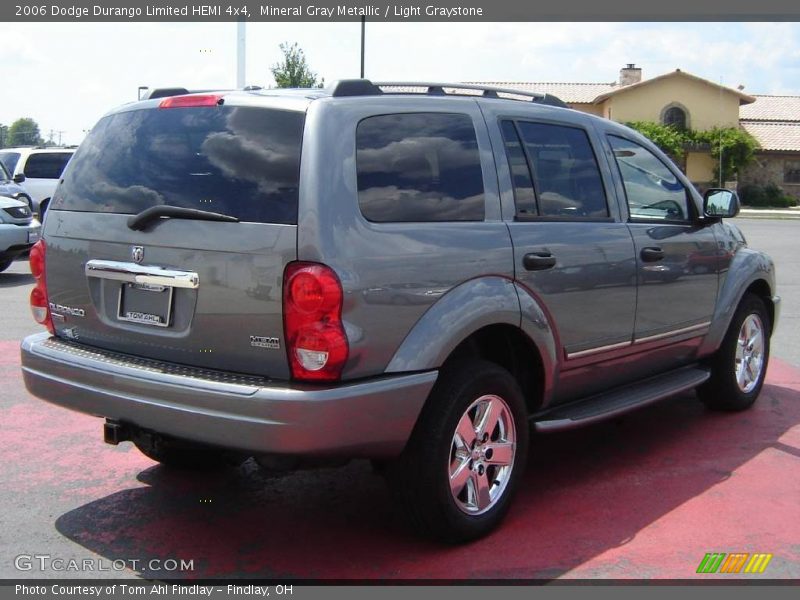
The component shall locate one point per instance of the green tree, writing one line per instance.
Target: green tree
(736, 145)
(671, 140)
(24, 132)
(293, 71)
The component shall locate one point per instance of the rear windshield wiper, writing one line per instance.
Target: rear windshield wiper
(139, 222)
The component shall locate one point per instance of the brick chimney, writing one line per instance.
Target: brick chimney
(630, 74)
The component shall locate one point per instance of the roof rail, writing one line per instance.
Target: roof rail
(365, 87)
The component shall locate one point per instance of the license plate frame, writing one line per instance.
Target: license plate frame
(138, 316)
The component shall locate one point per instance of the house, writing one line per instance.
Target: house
(775, 122)
(687, 101)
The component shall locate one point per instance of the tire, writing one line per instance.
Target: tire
(177, 454)
(43, 209)
(420, 478)
(739, 366)
(5, 264)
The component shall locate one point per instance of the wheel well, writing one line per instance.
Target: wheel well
(507, 346)
(761, 289)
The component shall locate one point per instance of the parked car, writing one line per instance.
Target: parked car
(39, 169)
(10, 187)
(19, 230)
(465, 202)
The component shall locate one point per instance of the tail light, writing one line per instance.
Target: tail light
(316, 342)
(192, 101)
(39, 302)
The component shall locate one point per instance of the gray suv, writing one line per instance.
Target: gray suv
(417, 274)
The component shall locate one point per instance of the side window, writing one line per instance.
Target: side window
(46, 165)
(419, 167)
(565, 171)
(652, 190)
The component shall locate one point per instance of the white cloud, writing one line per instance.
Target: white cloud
(66, 75)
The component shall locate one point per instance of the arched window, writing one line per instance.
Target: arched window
(675, 116)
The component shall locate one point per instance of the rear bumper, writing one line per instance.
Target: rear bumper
(369, 419)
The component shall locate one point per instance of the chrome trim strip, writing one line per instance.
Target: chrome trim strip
(581, 353)
(658, 336)
(133, 273)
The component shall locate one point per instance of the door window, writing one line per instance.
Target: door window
(653, 191)
(563, 168)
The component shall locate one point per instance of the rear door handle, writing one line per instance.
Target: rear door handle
(652, 254)
(538, 261)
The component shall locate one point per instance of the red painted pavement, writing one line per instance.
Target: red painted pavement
(645, 496)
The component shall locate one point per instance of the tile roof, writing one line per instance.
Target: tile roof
(575, 93)
(743, 98)
(775, 135)
(772, 108)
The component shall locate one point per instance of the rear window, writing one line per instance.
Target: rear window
(46, 165)
(9, 160)
(419, 167)
(239, 161)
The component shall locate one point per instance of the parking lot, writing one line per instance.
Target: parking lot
(641, 497)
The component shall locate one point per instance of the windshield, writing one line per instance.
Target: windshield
(9, 160)
(238, 161)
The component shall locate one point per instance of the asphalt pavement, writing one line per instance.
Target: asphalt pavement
(642, 497)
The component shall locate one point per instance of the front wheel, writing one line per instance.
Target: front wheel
(466, 455)
(740, 365)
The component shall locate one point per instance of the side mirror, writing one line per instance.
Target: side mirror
(19, 178)
(720, 203)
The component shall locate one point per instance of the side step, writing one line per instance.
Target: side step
(620, 400)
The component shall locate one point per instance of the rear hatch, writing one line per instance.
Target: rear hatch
(171, 284)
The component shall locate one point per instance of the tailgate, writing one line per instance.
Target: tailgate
(195, 292)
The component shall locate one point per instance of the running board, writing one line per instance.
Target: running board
(620, 400)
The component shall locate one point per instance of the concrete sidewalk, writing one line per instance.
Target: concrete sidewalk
(770, 213)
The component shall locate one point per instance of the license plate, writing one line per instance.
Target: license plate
(33, 237)
(145, 304)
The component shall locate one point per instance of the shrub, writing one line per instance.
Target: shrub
(766, 196)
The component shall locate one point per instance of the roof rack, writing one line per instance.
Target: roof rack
(365, 87)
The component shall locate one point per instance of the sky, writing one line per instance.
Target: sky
(67, 75)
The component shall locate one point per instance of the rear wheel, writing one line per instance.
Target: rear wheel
(4, 264)
(466, 455)
(740, 364)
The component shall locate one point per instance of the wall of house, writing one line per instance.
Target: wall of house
(700, 168)
(706, 106)
(592, 109)
(768, 168)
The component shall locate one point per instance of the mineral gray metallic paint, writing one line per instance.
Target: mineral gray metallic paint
(412, 293)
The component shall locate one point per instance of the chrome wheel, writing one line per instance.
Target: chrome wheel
(482, 454)
(750, 353)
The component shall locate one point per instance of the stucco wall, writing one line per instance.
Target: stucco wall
(705, 105)
(700, 167)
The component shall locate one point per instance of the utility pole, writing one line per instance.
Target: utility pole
(241, 45)
(363, 32)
